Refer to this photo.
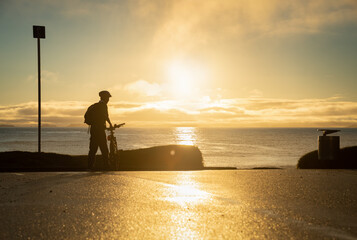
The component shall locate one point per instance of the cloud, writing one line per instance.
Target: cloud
(248, 112)
(31, 78)
(256, 93)
(67, 8)
(49, 77)
(186, 19)
(143, 87)
(125, 105)
(183, 25)
(53, 113)
(46, 76)
(189, 24)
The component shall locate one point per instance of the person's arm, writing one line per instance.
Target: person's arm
(107, 116)
(108, 120)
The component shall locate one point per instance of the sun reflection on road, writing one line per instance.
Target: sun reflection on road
(186, 135)
(187, 194)
(186, 191)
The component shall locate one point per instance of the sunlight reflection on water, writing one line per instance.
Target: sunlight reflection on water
(186, 135)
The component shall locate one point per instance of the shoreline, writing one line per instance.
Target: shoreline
(54, 170)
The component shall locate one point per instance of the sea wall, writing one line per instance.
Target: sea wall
(169, 157)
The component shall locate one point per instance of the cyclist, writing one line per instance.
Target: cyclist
(97, 116)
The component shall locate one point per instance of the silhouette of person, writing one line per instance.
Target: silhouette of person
(98, 137)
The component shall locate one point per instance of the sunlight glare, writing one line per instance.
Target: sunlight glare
(185, 78)
(186, 135)
(186, 191)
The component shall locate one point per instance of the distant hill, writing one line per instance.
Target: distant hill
(48, 125)
(6, 125)
(77, 125)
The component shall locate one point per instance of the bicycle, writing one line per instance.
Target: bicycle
(113, 147)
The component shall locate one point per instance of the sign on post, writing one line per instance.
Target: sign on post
(39, 32)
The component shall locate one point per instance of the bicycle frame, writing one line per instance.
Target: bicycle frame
(113, 147)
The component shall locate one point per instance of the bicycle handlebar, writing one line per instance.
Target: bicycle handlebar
(115, 126)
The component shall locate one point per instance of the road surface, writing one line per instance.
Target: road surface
(212, 204)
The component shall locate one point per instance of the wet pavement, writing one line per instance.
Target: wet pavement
(212, 204)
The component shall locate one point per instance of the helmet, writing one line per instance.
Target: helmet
(104, 94)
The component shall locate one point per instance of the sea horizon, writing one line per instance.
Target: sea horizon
(190, 126)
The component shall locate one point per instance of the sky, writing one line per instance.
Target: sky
(231, 63)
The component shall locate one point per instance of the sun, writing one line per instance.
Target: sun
(181, 77)
(185, 78)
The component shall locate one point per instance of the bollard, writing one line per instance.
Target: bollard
(328, 146)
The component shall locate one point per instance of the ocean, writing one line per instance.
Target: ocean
(221, 147)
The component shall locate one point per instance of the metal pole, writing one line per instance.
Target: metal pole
(39, 94)
(39, 32)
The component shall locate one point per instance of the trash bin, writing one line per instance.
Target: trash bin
(328, 146)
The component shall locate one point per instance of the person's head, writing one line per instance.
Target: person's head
(104, 96)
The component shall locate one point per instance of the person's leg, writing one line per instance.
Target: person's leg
(93, 148)
(102, 142)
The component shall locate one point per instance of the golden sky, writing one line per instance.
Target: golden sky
(182, 63)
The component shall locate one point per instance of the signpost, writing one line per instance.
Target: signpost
(39, 32)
